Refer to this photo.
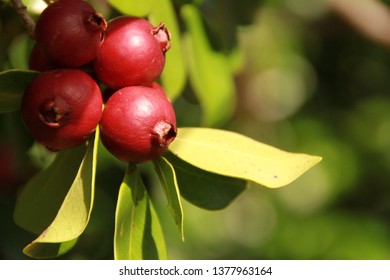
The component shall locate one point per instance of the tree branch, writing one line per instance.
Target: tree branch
(21, 10)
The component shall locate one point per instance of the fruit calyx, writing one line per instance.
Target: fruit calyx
(51, 114)
(96, 22)
(163, 36)
(163, 134)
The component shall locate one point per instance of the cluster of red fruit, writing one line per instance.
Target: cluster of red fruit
(77, 51)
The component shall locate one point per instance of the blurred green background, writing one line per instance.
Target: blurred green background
(306, 81)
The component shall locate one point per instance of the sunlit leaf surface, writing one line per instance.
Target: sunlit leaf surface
(138, 233)
(167, 176)
(232, 154)
(57, 202)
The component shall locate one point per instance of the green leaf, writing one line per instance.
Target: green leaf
(42, 196)
(174, 76)
(19, 51)
(48, 250)
(138, 233)
(167, 176)
(205, 189)
(133, 7)
(57, 202)
(235, 155)
(12, 86)
(210, 71)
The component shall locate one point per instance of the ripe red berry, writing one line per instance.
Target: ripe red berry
(69, 32)
(133, 52)
(138, 124)
(38, 62)
(61, 108)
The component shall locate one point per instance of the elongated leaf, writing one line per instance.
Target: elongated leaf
(235, 155)
(70, 220)
(210, 71)
(73, 216)
(12, 85)
(174, 76)
(133, 7)
(41, 198)
(138, 233)
(205, 189)
(167, 176)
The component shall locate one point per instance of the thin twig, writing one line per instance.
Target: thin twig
(21, 10)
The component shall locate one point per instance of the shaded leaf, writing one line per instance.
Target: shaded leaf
(210, 71)
(205, 189)
(12, 86)
(167, 176)
(235, 155)
(174, 76)
(138, 233)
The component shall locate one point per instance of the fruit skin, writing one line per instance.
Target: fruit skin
(133, 52)
(62, 108)
(38, 62)
(138, 124)
(69, 33)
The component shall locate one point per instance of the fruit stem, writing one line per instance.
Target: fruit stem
(21, 10)
(131, 168)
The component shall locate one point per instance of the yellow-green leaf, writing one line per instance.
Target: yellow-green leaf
(133, 7)
(40, 199)
(210, 71)
(138, 233)
(167, 176)
(235, 155)
(74, 214)
(48, 250)
(38, 202)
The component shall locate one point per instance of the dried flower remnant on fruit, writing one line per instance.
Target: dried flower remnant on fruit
(162, 35)
(96, 22)
(50, 114)
(163, 134)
